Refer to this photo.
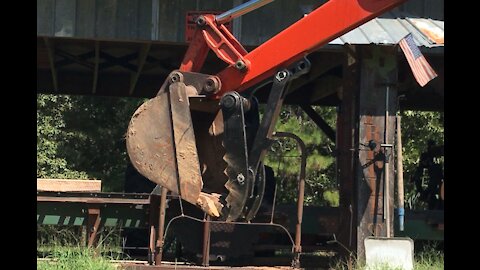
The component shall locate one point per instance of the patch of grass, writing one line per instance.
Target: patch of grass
(429, 258)
(75, 258)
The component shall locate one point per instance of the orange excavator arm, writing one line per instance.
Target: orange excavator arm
(322, 25)
(208, 152)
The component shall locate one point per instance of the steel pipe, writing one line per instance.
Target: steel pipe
(240, 10)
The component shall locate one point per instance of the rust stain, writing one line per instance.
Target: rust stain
(433, 32)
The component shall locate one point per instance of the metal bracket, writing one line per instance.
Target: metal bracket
(236, 153)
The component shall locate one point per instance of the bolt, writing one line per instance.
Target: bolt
(281, 75)
(240, 65)
(175, 77)
(241, 179)
(201, 21)
(212, 85)
(301, 66)
(228, 101)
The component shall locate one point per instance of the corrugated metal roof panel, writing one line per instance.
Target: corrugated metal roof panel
(376, 33)
(355, 37)
(392, 27)
(434, 33)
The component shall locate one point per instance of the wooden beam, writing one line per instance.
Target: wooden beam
(322, 124)
(142, 57)
(325, 87)
(315, 90)
(64, 185)
(345, 157)
(91, 200)
(74, 58)
(96, 64)
(51, 59)
(322, 64)
(374, 191)
(82, 57)
(122, 61)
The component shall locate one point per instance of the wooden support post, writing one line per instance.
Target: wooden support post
(378, 76)
(206, 242)
(142, 58)
(96, 65)
(51, 59)
(346, 132)
(93, 224)
(153, 223)
(361, 118)
(161, 227)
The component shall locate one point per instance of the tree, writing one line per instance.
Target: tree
(417, 129)
(83, 137)
(321, 188)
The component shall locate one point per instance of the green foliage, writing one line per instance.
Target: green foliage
(83, 137)
(51, 137)
(332, 197)
(284, 157)
(417, 129)
(429, 258)
(75, 258)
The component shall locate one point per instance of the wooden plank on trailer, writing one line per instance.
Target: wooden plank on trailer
(91, 200)
(63, 185)
(65, 18)
(85, 19)
(105, 18)
(45, 17)
(127, 19)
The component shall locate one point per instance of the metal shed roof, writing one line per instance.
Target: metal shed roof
(392, 27)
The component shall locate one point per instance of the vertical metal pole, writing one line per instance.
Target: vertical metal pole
(206, 242)
(386, 185)
(151, 245)
(301, 195)
(240, 10)
(401, 209)
(161, 226)
(153, 224)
